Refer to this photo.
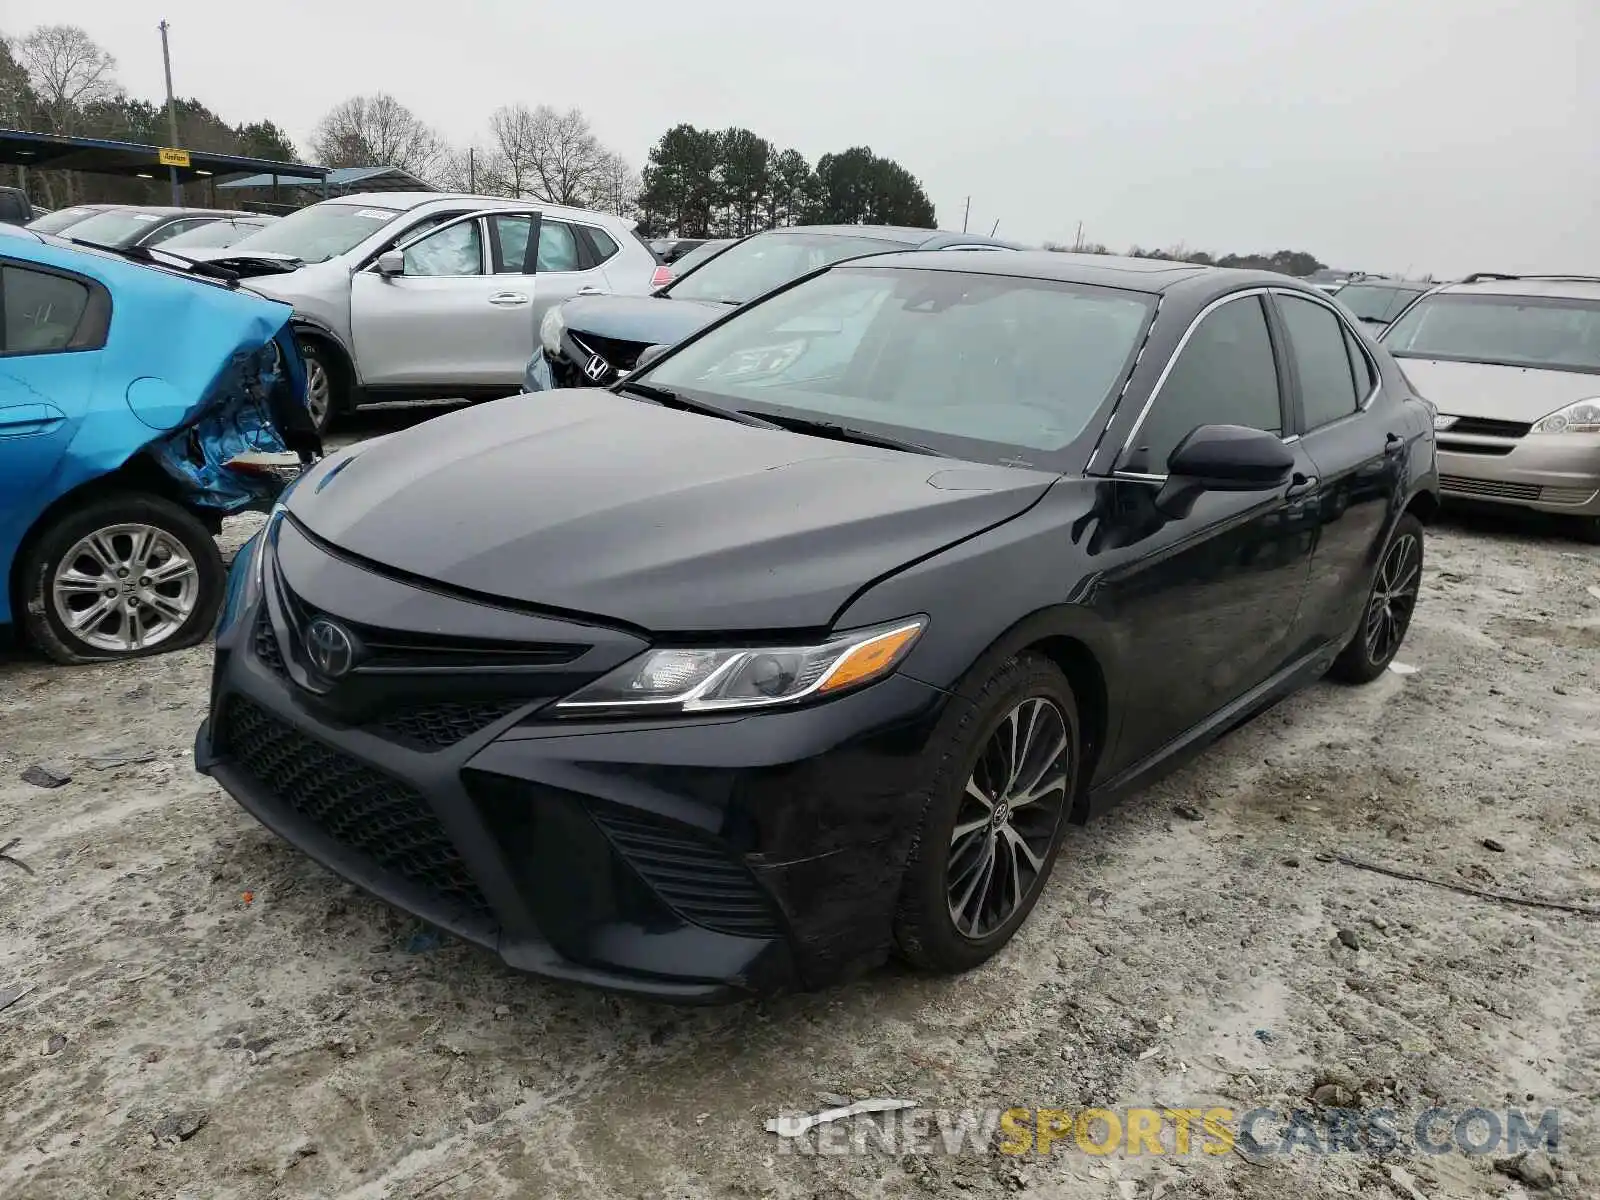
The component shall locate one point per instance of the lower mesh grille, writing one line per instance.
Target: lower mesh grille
(439, 726)
(266, 646)
(371, 813)
(1463, 486)
(695, 877)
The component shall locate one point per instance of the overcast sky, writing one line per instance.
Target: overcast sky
(1435, 135)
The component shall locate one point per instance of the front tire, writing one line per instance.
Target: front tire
(993, 818)
(122, 576)
(326, 387)
(1390, 604)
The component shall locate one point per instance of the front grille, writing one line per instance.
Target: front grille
(431, 727)
(620, 354)
(1462, 486)
(365, 810)
(266, 646)
(1488, 427)
(1494, 449)
(700, 881)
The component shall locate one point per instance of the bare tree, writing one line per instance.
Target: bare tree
(514, 130)
(566, 156)
(68, 73)
(378, 131)
(616, 187)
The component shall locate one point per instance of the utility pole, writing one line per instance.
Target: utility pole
(994, 227)
(172, 115)
(965, 213)
(1077, 242)
(472, 171)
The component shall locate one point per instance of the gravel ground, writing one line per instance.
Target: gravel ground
(213, 1017)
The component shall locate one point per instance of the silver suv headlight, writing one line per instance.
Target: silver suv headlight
(1582, 417)
(696, 679)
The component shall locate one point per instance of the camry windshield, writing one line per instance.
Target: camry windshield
(114, 227)
(770, 260)
(986, 363)
(1515, 331)
(318, 233)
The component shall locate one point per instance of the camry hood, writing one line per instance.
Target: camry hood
(644, 319)
(596, 504)
(1464, 389)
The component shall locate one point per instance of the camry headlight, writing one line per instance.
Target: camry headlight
(693, 679)
(1582, 417)
(551, 329)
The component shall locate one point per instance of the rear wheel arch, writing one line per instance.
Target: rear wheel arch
(139, 474)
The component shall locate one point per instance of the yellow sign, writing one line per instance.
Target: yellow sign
(171, 156)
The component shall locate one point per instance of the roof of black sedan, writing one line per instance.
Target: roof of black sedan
(1104, 270)
(927, 238)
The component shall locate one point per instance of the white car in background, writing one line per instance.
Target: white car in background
(429, 295)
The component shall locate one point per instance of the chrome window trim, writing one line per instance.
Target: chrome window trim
(1372, 366)
(1161, 380)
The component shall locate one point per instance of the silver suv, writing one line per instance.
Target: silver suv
(424, 295)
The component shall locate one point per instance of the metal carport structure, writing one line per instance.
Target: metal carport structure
(102, 156)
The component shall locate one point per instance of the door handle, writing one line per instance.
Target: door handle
(591, 291)
(508, 299)
(1300, 485)
(1393, 443)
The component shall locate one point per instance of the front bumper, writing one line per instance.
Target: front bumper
(1555, 473)
(694, 860)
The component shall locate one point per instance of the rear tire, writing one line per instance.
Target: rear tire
(1391, 601)
(981, 803)
(124, 575)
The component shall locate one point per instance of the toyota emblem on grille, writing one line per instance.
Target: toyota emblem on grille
(595, 369)
(330, 647)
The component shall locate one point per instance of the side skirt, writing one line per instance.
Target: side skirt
(1187, 746)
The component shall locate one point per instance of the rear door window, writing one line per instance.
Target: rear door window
(1321, 360)
(42, 311)
(558, 247)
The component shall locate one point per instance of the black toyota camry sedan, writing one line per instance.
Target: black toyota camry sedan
(800, 647)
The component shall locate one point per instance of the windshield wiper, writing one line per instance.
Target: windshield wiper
(668, 398)
(841, 433)
(141, 254)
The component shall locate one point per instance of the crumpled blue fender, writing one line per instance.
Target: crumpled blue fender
(234, 417)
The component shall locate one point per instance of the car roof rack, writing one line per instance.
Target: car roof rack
(1482, 276)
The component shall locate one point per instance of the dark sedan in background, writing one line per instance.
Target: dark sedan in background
(1377, 302)
(592, 340)
(802, 645)
(122, 226)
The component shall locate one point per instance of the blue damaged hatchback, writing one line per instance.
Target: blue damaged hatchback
(130, 387)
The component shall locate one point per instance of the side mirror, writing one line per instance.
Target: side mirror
(1223, 458)
(649, 355)
(392, 262)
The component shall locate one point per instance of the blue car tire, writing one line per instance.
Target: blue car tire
(122, 575)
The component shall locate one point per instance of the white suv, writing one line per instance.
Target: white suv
(427, 295)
